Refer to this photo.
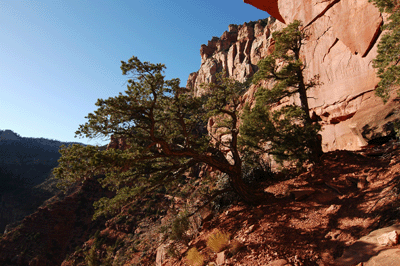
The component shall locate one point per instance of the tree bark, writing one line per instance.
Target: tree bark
(314, 144)
(247, 194)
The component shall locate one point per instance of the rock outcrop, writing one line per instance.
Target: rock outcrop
(370, 250)
(236, 52)
(270, 6)
(343, 38)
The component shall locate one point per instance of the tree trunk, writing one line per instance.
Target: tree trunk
(314, 144)
(246, 193)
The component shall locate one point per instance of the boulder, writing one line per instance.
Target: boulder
(389, 239)
(221, 256)
(385, 258)
(161, 254)
(280, 262)
(370, 249)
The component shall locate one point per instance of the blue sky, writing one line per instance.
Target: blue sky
(58, 57)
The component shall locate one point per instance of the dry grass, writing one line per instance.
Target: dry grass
(194, 257)
(218, 241)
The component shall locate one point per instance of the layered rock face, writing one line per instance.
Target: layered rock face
(343, 38)
(236, 52)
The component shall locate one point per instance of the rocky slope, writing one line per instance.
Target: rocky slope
(55, 229)
(316, 219)
(321, 213)
(343, 38)
(25, 163)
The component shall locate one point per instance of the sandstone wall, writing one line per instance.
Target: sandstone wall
(343, 42)
(237, 52)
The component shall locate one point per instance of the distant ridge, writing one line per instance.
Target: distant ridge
(26, 179)
(9, 135)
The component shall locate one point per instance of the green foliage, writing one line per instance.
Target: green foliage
(194, 257)
(179, 226)
(387, 6)
(287, 133)
(217, 241)
(165, 132)
(396, 126)
(388, 58)
(283, 133)
(176, 230)
(92, 258)
(99, 253)
(285, 67)
(288, 43)
(172, 251)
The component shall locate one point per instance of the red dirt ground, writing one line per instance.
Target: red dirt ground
(348, 195)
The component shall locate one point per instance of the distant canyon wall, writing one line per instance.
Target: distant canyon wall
(343, 42)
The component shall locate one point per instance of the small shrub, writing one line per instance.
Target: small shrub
(194, 257)
(396, 126)
(172, 251)
(91, 257)
(16, 235)
(218, 241)
(177, 229)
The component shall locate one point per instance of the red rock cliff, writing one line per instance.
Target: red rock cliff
(343, 42)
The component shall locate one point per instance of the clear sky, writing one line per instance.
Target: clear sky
(57, 57)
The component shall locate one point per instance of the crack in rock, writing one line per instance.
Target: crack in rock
(329, 50)
(322, 13)
(374, 39)
(317, 40)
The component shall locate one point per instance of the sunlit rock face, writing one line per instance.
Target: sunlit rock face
(236, 52)
(342, 43)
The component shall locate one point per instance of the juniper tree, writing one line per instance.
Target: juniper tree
(388, 58)
(164, 128)
(288, 133)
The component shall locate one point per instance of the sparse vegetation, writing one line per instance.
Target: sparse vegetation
(172, 251)
(397, 129)
(177, 229)
(194, 257)
(218, 241)
(388, 59)
(91, 257)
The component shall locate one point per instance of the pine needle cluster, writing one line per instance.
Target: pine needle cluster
(388, 58)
